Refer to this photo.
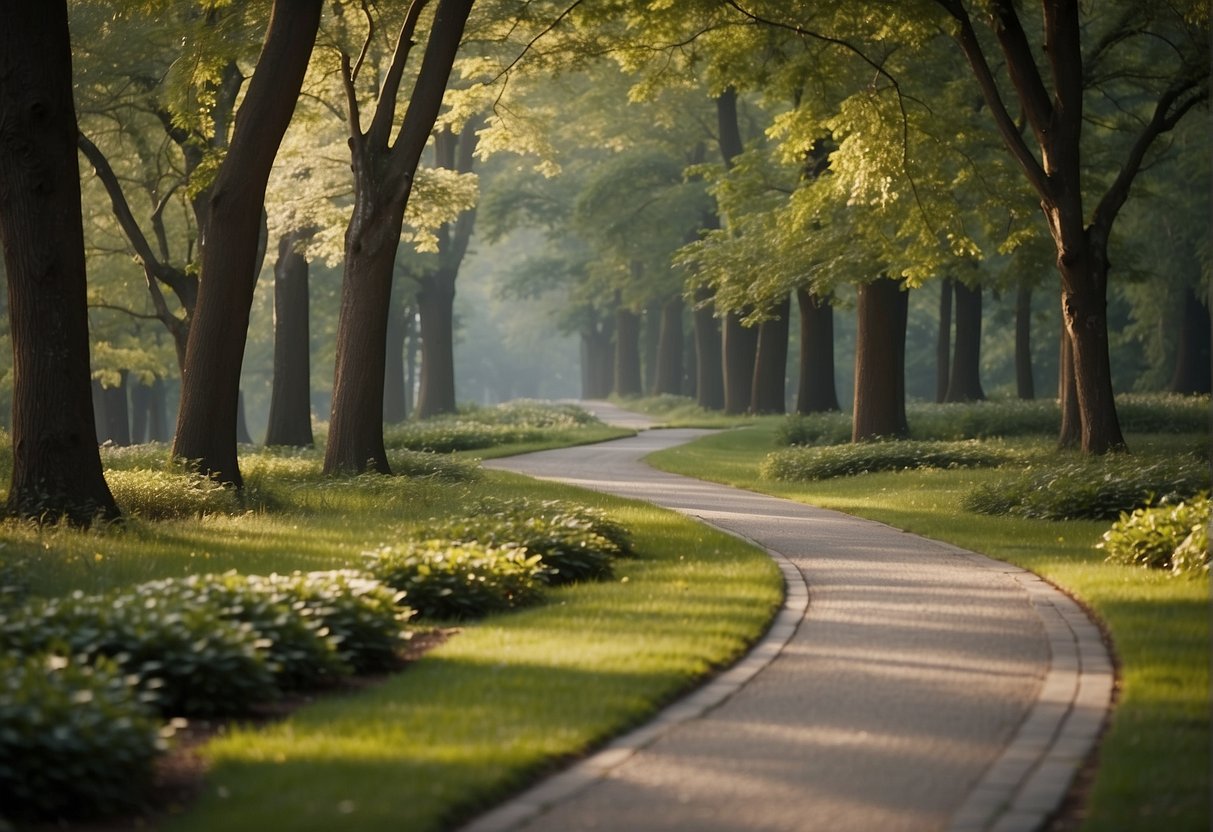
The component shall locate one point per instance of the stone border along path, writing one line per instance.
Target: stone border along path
(921, 687)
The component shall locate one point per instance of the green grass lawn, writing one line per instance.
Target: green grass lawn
(504, 701)
(1154, 762)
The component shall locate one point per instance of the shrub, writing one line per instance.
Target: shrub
(483, 427)
(159, 495)
(436, 466)
(75, 739)
(815, 429)
(1151, 537)
(983, 420)
(195, 662)
(1163, 413)
(1096, 489)
(444, 579)
(797, 464)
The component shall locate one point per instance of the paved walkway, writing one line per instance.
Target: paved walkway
(921, 687)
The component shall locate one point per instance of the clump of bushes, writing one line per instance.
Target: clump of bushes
(445, 579)
(1173, 537)
(800, 464)
(160, 495)
(76, 739)
(441, 467)
(573, 542)
(1096, 489)
(982, 420)
(483, 427)
(1163, 413)
(832, 428)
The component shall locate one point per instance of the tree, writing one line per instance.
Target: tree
(56, 466)
(290, 419)
(384, 169)
(879, 410)
(964, 381)
(210, 380)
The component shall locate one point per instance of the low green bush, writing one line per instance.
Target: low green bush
(984, 419)
(482, 427)
(532, 414)
(76, 740)
(160, 495)
(1163, 413)
(573, 542)
(440, 467)
(446, 579)
(1151, 537)
(799, 464)
(832, 428)
(1096, 489)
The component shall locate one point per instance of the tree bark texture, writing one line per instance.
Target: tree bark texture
(1070, 431)
(117, 413)
(383, 175)
(739, 347)
(597, 361)
(1025, 385)
(290, 419)
(668, 378)
(395, 398)
(768, 389)
(56, 467)
(627, 353)
(816, 391)
(879, 409)
(650, 335)
(1192, 367)
(943, 341)
(210, 382)
(964, 382)
(148, 422)
(709, 367)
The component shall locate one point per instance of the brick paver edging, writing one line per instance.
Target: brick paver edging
(581, 775)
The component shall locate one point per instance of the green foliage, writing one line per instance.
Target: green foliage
(980, 420)
(798, 464)
(75, 739)
(161, 495)
(483, 427)
(573, 542)
(814, 429)
(441, 467)
(1097, 489)
(1163, 413)
(1154, 537)
(442, 579)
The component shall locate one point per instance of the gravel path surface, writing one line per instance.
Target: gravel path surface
(916, 693)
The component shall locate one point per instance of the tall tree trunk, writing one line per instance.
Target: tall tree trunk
(709, 366)
(943, 341)
(395, 399)
(739, 346)
(141, 407)
(290, 419)
(1085, 312)
(56, 467)
(383, 172)
(210, 382)
(650, 336)
(117, 413)
(1192, 367)
(668, 379)
(436, 304)
(816, 391)
(1070, 432)
(880, 403)
(412, 352)
(964, 384)
(627, 353)
(243, 437)
(768, 388)
(1025, 385)
(597, 360)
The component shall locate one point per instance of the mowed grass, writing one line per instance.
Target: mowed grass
(1154, 761)
(502, 702)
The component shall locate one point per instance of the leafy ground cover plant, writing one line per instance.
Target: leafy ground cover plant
(482, 427)
(1172, 537)
(76, 739)
(1096, 489)
(162, 494)
(806, 463)
(455, 580)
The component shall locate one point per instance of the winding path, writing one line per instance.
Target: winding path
(913, 686)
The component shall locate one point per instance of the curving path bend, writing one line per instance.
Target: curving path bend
(916, 686)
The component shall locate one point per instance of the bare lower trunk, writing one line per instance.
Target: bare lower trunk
(117, 413)
(739, 346)
(1192, 366)
(650, 337)
(964, 382)
(768, 391)
(627, 353)
(1084, 310)
(668, 379)
(290, 419)
(436, 303)
(597, 362)
(879, 409)
(56, 469)
(709, 370)
(1070, 431)
(395, 399)
(816, 392)
(1025, 386)
(943, 341)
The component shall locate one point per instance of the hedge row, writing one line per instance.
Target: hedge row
(809, 463)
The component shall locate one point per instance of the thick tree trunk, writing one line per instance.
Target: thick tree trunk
(141, 400)
(964, 382)
(709, 367)
(650, 336)
(739, 346)
(1192, 366)
(943, 341)
(597, 361)
(1084, 310)
(56, 467)
(880, 403)
(627, 353)
(210, 382)
(243, 437)
(1025, 385)
(768, 389)
(668, 379)
(1070, 431)
(117, 413)
(436, 303)
(395, 377)
(816, 391)
(290, 419)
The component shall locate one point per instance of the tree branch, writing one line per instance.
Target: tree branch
(1021, 66)
(385, 107)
